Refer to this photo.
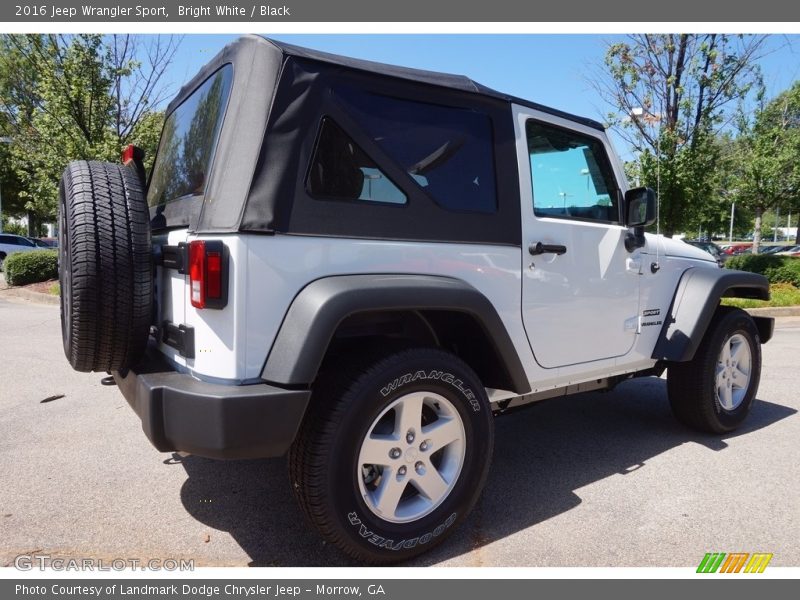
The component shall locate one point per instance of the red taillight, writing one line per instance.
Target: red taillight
(207, 274)
(197, 274)
(214, 272)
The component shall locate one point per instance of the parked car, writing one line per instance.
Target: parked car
(733, 249)
(790, 251)
(45, 242)
(10, 243)
(711, 248)
(360, 265)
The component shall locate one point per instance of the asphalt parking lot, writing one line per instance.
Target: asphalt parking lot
(594, 480)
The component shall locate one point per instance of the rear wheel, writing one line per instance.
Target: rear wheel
(715, 391)
(105, 266)
(393, 453)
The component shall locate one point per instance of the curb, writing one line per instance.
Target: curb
(30, 296)
(778, 311)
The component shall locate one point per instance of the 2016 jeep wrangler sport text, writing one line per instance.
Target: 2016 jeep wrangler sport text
(361, 265)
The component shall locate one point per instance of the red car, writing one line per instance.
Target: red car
(736, 248)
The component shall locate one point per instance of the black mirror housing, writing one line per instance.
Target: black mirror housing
(640, 207)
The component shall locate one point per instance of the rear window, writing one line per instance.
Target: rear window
(188, 140)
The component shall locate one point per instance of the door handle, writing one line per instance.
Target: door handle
(540, 248)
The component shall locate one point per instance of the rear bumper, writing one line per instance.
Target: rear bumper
(179, 413)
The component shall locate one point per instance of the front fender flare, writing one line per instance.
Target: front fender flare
(696, 299)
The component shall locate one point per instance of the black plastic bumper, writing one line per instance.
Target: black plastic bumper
(180, 413)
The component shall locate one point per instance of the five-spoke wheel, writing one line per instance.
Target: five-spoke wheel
(733, 371)
(393, 452)
(411, 457)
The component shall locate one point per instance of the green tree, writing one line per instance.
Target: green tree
(768, 166)
(9, 182)
(76, 97)
(670, 94)
(15, 106)
(714, 214)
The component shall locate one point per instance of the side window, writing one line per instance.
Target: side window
(4, 239)
(571, 175)
(340, 170)
(26, 242)
(448, 151)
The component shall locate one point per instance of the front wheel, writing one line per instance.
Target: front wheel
(716, 389)
(393, 454)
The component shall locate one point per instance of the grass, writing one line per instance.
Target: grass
(781, 294)
(54, 289)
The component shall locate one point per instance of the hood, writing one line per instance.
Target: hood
(676, 249)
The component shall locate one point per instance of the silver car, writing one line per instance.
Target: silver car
(10, 243)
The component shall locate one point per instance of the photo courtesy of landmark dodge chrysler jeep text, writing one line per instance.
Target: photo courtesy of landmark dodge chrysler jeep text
(360, 265)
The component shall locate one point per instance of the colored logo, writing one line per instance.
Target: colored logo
(735, 562)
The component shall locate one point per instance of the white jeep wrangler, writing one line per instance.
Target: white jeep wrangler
(361, 265)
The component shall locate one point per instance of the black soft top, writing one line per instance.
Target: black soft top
(279, 95)
(446, 80)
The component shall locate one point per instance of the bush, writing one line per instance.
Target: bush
(23, 268)
(778, 269)
(755, 263)
(788, 272)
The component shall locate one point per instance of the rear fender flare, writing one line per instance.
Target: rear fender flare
(319, 308)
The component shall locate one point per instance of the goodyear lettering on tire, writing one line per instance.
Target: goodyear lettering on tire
(404, 544)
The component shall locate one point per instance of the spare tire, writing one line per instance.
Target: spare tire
(105, 266)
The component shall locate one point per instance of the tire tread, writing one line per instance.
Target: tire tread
(108, 235)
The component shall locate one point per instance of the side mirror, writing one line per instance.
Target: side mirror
(640, 207)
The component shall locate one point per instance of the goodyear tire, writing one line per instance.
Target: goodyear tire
(715, 390)
(105, 266)
(393, 453)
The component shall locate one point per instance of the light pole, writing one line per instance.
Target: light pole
(731, 195)
(3, 140)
